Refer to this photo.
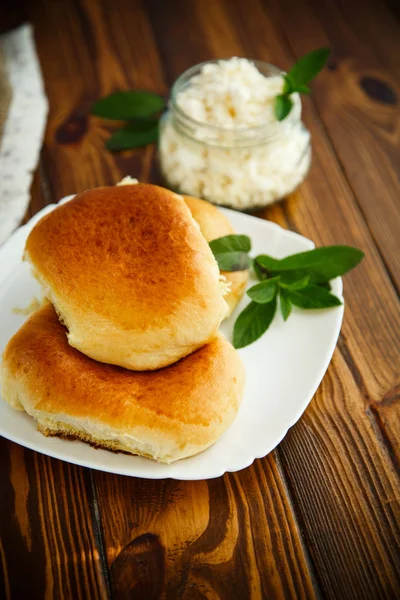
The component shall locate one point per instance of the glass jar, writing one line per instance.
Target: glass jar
(240, 167)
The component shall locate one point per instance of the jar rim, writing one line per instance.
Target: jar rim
(260, 65)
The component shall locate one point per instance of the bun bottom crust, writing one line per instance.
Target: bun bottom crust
(68, 433)
(166, 415)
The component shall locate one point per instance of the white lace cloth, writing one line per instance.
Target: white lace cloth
(23, 128)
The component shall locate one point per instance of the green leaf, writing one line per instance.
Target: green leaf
(127, 105)
(321, 264)
(325, 284)
(252, 322)
(313, 296)
(296, 284)
(287, 85)
(286, 305)
(267, 262)
(283, 106)
(302, 88)
(325, 263)
(308, 67)
(259, 270)
(134, 135)
(230, 243)
(232, 261)
(265, 291)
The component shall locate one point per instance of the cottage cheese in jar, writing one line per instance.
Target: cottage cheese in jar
(220, 139)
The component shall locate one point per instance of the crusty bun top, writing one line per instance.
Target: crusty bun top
(129, 261)
(165, 414)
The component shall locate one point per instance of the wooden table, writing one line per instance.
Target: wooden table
(319, 516)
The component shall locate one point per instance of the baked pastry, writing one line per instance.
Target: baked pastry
(166, 415)
(214, 224)
(129, 274)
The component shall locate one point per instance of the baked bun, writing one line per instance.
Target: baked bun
(129, 274)
(166, 415)
(214, 224)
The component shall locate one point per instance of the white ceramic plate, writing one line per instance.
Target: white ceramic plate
(284, 369)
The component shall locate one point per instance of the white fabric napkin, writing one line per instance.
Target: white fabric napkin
(23, 129)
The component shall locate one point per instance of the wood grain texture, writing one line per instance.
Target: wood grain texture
(345, 490)
(47, 543)
(320, 516)
(232, 537)
(358, 100)
(385, 416)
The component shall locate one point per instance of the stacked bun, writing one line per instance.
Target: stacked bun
(127, 355)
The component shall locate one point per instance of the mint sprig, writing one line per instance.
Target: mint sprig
(296, 80)
(140, 109)
(300, 280)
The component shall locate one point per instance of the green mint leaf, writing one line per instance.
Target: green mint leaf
(252, 322)
(260, 272)
(313, 296)
(286, 304)
(127, 105)
(282, 107)
(296, 284)
(232, 261)
(287, 85)
(308, 67)
(267, 263)
(302, 88)
(231, 243)
(264, 292)
(324, 263)
(134, 135)
(325, 284)
(321, 264)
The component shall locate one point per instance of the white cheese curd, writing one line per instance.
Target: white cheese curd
(220, 139)
(128, 180)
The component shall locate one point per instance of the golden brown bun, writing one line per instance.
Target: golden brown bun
(129, 274)
(166, 415)
(214, 224)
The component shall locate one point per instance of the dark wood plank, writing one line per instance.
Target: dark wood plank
(12, 14)
(47, 542)
(358, 100)
(232, 537)
(385, 416)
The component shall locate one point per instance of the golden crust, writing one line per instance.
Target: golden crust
(166, 414)
(129, 274)
(214, 224)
